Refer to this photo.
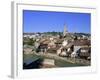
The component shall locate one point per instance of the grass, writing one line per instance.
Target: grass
(58, 63)
(61, 63)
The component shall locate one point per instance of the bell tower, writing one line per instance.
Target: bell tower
(65, 30)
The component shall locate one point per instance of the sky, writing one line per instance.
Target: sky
(47, 21)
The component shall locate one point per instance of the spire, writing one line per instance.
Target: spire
(65, 30)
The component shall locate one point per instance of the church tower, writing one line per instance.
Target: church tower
(65, 30)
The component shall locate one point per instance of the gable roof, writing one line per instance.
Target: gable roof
(81, 42)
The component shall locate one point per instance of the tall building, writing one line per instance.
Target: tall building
(65, 30)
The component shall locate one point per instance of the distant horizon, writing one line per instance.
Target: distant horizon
(54, 21)
(54, 31)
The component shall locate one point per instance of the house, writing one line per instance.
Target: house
(59, 42)
(78, 44)
(29, 35)
(59, 51)
(64, 43)
(36, 44)
(85, 53)
(51, 43)
(63, 53)
(65, 50)
(42, 48)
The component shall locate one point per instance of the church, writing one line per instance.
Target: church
(66, 34)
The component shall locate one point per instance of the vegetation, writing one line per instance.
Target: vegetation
(29, 41)
(58, 63)
(80, 34)
(61, 63)
(53, 33)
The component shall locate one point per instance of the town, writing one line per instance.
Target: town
(56, 49)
